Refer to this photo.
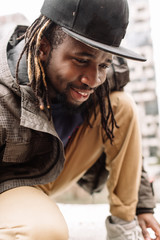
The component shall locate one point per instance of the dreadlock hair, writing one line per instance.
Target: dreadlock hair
(103, 92)
(107, 116)
(43, 26)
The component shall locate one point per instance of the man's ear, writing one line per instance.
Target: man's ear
(44, 49)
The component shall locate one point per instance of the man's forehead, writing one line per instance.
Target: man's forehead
(84, 49)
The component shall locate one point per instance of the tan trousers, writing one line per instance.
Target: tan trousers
(27, 213)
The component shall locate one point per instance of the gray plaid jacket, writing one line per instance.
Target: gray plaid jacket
(30, 150)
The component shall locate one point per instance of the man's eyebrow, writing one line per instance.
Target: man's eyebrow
(86, 54)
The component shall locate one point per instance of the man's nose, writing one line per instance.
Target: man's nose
(91, 77)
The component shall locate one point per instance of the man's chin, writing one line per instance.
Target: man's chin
(70, 106)
(74, 107)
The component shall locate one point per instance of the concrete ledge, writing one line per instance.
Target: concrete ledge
(87, 221)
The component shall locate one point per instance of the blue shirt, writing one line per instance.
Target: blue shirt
(65, 122)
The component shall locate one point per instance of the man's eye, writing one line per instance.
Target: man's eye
(79, 60)
(104, 66)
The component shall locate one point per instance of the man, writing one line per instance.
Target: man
(53, 87)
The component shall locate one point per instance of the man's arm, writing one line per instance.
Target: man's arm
(118, 77)
(146, 201)
(145, 206)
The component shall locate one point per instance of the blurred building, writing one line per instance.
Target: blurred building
(142, 75)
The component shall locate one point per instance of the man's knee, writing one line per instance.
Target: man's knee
(51, 227)
(30, 214)
(49, 231)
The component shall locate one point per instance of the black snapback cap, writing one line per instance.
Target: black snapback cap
(98, 23)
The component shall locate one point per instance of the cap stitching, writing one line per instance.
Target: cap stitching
(76, 13)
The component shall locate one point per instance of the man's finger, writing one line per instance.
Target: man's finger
(145, 233)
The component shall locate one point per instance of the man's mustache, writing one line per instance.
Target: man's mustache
(82, 87)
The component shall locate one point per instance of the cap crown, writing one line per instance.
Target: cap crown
(104, 21)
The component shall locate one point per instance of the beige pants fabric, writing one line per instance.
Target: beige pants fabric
(124, 159)
(28, 213)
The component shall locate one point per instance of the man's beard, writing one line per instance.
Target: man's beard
(72, 108)
(61, 97)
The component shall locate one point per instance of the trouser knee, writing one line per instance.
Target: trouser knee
(49, 231)
(29, 214)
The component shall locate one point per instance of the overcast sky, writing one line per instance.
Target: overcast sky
(30, 8)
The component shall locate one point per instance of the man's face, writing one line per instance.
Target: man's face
(75, 70)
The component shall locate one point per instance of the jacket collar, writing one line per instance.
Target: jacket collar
(6, 77)
(31, 116)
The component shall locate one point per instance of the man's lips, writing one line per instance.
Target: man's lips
(80, 95)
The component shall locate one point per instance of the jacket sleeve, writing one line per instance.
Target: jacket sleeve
(146, 200)
(2, 137)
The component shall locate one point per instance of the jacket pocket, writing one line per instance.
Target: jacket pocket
(16, 152)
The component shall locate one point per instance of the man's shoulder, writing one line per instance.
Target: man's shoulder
(8, 97)
(4, 90)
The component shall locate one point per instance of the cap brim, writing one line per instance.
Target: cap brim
(119, 51)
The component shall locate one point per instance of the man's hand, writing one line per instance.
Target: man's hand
(147, 220)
